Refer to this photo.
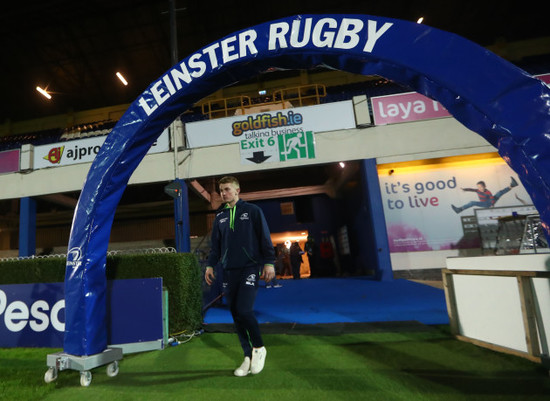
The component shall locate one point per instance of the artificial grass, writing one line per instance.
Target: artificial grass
(419, 365)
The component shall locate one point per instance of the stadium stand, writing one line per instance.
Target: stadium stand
(295, 96)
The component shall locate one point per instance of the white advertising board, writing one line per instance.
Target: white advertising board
(424, 208)
(82, 151)
(318, 118)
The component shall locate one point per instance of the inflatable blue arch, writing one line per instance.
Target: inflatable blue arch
(487, 94)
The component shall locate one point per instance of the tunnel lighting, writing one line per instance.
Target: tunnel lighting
(43, 92)
(289, 237)
(452, 162)
(419, 21)
(122, 79)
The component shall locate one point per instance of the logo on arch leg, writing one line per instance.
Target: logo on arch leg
(74, 257)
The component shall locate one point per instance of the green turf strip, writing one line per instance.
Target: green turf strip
(418, 365)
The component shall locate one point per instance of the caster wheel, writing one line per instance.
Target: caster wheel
(112, 369)
(50, 375)
(85, 378)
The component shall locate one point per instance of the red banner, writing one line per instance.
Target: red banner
(9, 161)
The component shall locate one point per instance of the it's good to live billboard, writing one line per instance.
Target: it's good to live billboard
(418, 205)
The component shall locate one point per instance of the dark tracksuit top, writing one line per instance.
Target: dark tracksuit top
(240, 238)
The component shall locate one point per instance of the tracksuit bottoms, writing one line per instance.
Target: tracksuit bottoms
(241, 287)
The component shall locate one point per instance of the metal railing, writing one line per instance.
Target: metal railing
(109, 253)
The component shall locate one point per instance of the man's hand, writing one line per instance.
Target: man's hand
(209, 275)
(269, 273)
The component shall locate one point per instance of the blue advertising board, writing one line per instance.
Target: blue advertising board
(33, 315)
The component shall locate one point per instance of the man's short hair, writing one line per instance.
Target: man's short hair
(229, 179)
(481, 183)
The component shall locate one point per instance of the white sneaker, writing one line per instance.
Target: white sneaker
(258, 360)
(244, 369)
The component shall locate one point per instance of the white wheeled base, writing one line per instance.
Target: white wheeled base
(62, 361)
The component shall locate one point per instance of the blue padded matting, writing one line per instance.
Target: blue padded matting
(344, 300)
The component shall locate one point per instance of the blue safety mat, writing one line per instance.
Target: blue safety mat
(343, 300)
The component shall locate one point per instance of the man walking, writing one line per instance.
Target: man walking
(242, 244)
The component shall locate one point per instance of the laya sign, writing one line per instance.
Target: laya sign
(33, 315)
(82, 151)
(324, 33)
(262, 126)
(412, 106)
(405, 107)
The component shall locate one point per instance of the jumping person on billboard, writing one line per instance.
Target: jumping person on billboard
(486, 198)
(241, 242)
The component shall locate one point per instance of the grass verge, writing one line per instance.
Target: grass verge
(419, 365)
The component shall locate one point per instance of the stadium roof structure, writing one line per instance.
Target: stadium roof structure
(74, 49)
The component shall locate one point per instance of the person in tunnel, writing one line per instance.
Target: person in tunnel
(278, 267)
(241, 242)
(296, 259)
